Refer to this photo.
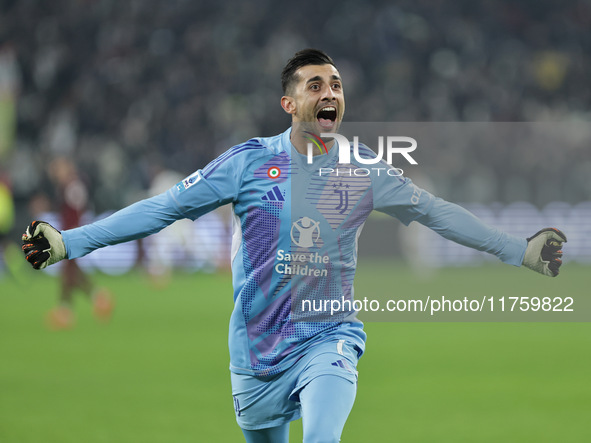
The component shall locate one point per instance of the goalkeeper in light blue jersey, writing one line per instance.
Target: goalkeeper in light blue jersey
(294, 246)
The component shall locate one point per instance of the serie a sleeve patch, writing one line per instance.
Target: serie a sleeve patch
(186, 183)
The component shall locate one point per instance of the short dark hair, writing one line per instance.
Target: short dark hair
(301, 58)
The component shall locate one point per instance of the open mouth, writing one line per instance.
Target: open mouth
(327, 116)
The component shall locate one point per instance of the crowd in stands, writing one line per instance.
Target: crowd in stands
(130, 88)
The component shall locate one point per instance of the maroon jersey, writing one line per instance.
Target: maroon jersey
(74, 198)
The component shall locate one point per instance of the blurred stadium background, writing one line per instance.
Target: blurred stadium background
(138, 93)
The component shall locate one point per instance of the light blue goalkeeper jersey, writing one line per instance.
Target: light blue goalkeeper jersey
(294, 245)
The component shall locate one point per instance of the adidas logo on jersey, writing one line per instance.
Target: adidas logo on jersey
(342, 364)
(274, 195)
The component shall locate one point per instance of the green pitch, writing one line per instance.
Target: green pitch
(159, 371)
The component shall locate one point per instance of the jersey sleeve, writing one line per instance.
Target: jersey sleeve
(135, 221)
(215, 185)
(204, 190)
(455, 223)
(400, 198)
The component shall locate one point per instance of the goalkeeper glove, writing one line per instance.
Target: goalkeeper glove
(43, 245)
(543, 251)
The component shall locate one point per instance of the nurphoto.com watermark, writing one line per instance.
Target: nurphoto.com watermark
(387, 146)
(448, 308)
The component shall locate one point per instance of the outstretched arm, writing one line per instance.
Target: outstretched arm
(455, 223)
(203, 191)
(404, 200)
(540, 252)
(138, 220)
(44, 245)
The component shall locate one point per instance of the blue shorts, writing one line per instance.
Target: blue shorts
(265, 402)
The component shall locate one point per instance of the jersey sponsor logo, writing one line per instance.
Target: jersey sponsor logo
(301, 263)
(305, 232)
(274, 195)
(274, 172)
(188, 182)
